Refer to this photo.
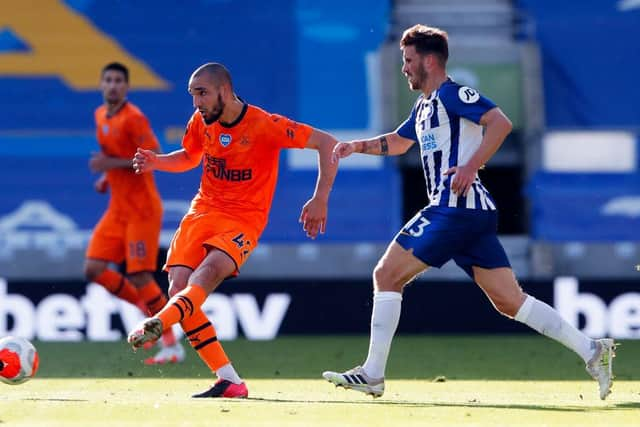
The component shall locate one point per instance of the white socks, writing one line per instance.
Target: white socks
(544, 319)
(536, 314)
(384, 322)
(227, 372)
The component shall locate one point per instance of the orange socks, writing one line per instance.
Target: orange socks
(185, 307)
(149, 298)
(118, 285)
(182, 306)
(154, 299)
(203, 339)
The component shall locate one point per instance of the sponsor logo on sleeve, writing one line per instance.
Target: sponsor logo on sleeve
(468, 95)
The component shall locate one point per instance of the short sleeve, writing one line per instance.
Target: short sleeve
(287, 133)
(465, 102)
(192, 140)
(407, 129)
(141, 132)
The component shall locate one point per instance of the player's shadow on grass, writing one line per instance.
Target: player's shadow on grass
(37, 399)
(410, 404)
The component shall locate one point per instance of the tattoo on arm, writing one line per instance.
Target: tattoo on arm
(384, 147)
(379, 146)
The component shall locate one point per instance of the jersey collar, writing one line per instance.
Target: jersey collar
(117, 111)
(245, 106)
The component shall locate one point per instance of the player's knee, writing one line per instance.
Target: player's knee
(140, 279)
(176, 285)
(385, 279)
(379, 275)
(174, 289)
(178, 278)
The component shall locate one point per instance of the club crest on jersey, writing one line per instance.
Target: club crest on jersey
(225, 139)
(427, 112)
(468, 95)
(105, 128)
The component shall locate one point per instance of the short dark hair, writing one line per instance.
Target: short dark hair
(216, 71)
(116, 66)
(427, 40)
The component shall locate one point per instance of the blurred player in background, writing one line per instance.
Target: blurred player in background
(130, 227)
(239, 145)
(460, 222)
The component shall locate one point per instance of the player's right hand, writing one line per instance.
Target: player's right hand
(342, 150)
(144, 160)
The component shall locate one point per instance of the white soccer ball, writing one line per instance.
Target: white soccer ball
(18, 360)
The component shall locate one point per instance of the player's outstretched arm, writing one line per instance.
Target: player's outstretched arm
(100, 162)
(314, 212)
(176, 161)
(389, 144)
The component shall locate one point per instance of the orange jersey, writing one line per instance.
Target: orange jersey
(240, 161)
(120, 135)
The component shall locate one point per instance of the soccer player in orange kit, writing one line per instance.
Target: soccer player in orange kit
(238, 145)
(130, 227)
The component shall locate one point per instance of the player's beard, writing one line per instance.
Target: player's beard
(113, 98)
(216, 112)
(421, 77)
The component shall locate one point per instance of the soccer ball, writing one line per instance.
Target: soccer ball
(18, 360)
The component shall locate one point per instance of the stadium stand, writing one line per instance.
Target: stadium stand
(311, 62)
(584, 182)
(336, 66)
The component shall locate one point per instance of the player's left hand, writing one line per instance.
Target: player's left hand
(463, 177)
(314, 217)
(98, 162)
(342, 150)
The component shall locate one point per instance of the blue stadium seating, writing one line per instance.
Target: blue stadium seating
(299, 58)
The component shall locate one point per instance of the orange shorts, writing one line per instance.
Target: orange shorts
(116, 238)
(200, 231)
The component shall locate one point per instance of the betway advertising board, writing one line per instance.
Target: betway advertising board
(263, 310)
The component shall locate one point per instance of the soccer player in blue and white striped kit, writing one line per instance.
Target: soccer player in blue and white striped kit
(458, 131)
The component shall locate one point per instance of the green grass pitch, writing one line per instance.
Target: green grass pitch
(439, 381)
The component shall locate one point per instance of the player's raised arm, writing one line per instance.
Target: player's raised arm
(314, 212)
(176, 161)
(389, 144)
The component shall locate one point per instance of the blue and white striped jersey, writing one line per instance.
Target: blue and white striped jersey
(446, 126)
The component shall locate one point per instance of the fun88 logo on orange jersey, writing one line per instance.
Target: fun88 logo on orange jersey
(217, 167)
